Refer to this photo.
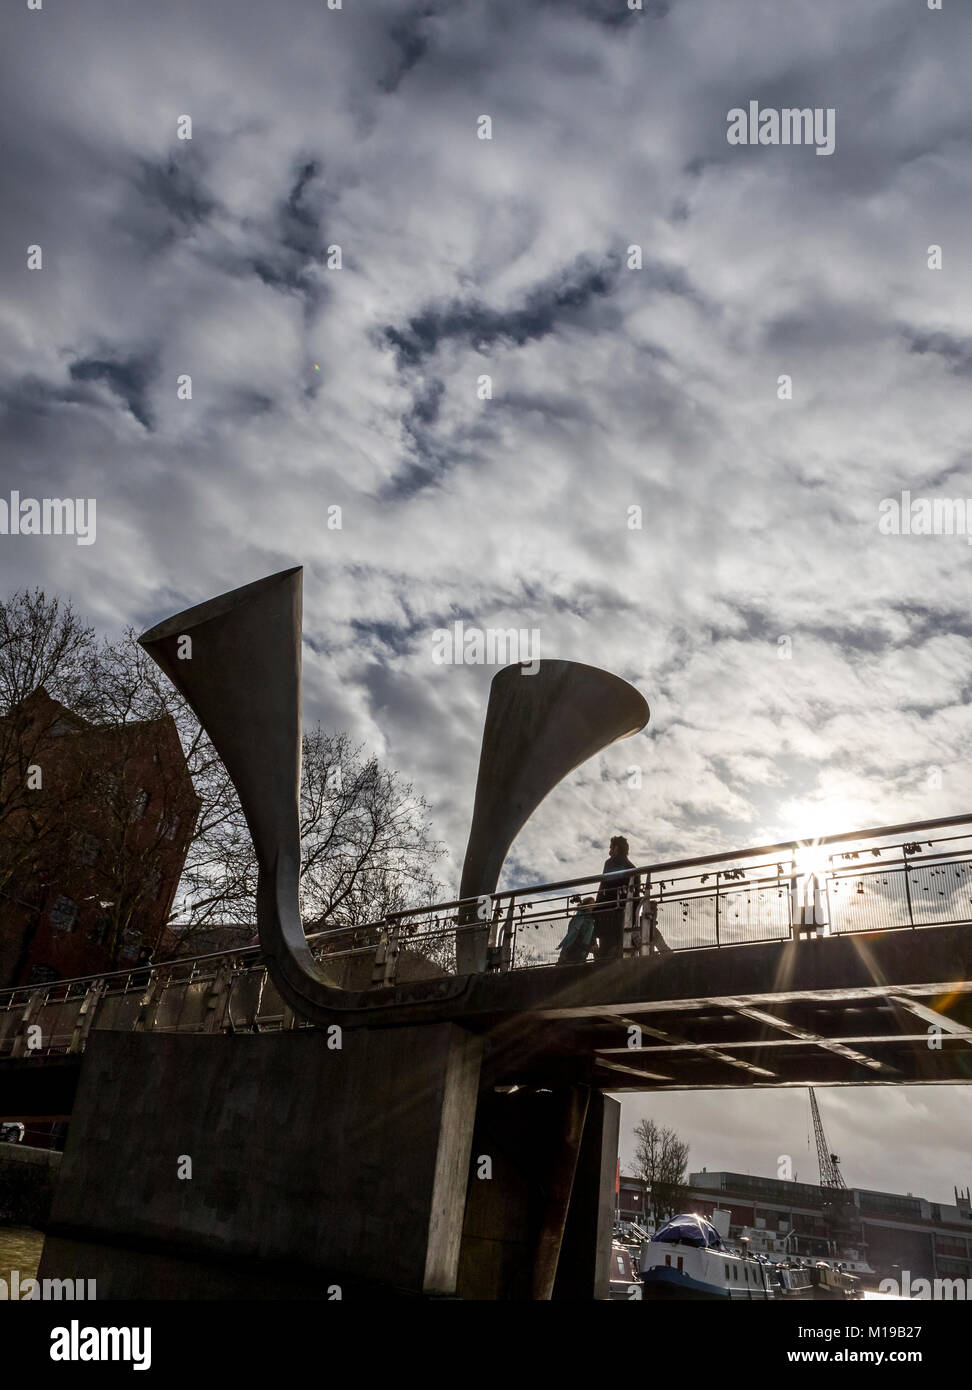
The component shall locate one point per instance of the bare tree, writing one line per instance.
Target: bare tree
(366, 849)
(661, 1159)
(216, 885)
(44, 646)
(366, 845)
(43, 642)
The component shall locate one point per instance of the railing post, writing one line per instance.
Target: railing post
(86, 1016)
(386, 954)
(907, 878)
(494, 945)
(217, 994)
(148, 1000)
(648, 914)
(717, 907)
(627, 939)
(506, 940)
(36, 1001)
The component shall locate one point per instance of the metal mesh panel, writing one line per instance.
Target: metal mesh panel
(940, 892)
(867, 901)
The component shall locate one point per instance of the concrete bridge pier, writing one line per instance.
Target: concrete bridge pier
(539, 1217)
(277, 1165)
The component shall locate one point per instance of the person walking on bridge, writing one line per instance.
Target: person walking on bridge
(580, 935)
(612, 895)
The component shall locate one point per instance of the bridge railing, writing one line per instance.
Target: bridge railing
(880, 879)
(893, 877)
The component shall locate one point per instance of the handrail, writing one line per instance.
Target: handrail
(646, 871)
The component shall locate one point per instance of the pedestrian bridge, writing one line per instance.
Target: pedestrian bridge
(845, 961)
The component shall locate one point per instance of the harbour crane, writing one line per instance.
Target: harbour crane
(828, 1163)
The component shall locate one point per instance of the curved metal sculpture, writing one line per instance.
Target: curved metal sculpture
(236, 660)
(539, 727)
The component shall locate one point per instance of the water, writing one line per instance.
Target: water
(20, 1248)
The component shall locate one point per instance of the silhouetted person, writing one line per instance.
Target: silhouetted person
(141, 978)
(611, 898)
(580, 936)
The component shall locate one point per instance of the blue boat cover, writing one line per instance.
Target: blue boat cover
(688, 1230)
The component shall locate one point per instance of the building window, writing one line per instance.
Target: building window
(59, 728)
(64, 914)
(87, 848)
(41, 974)
(98, 932)
(130, 943)
(172, 825)
(140, 804)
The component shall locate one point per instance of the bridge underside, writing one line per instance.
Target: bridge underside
(746, 1016)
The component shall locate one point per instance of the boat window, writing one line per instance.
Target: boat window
(727, 1271)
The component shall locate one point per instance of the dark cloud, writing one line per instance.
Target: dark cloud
(128, 378)
(560, 302)
(410, 35)
(170, 199)
(954, 351)
(614, 14)
(299, 244)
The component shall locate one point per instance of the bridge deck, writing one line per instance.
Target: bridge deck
(727, 979)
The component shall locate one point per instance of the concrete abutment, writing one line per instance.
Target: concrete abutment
(269, 1165)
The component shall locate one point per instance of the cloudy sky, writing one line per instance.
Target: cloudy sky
(805, 671)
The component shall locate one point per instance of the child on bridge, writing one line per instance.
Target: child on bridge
(580, 934)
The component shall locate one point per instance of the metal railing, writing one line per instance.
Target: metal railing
(888, 878)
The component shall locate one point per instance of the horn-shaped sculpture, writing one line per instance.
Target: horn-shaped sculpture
(542, 721)
(236, 660)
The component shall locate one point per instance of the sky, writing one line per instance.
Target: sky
(337, 260)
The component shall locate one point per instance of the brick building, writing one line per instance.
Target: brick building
(97, 820)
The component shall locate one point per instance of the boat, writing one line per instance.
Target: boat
(623, 1271)
(833, 1281)
(793, 1279)
(688, 1258)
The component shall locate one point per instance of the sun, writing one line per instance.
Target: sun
(811, 858)
(808, 821)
